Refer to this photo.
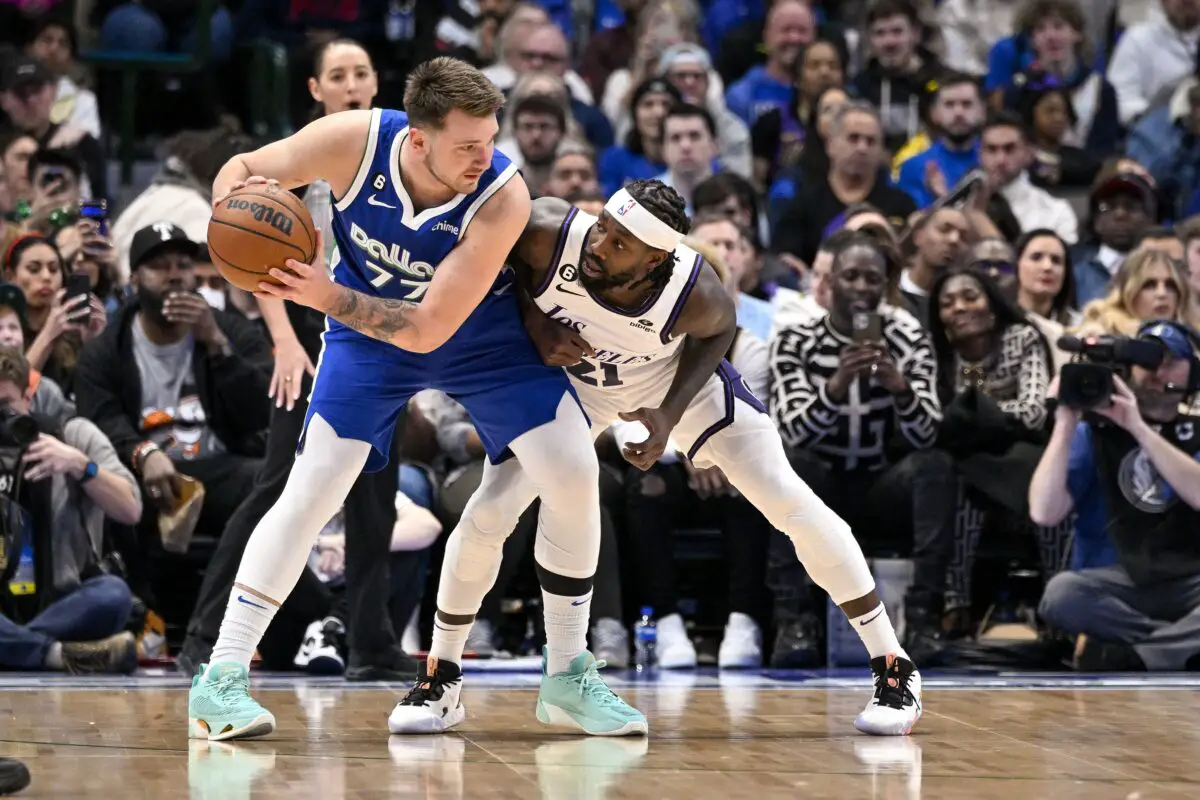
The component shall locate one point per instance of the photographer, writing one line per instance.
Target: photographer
(59, 486)
(1129, 470)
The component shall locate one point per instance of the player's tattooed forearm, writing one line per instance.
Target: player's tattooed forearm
(378, 317)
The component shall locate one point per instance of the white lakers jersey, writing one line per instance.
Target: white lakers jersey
(637, 351)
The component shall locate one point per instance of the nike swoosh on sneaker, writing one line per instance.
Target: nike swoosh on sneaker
(371, 201)
(242, 599)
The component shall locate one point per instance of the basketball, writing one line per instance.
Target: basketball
(258, 227)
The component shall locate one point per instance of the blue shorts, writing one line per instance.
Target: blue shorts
(489, 365)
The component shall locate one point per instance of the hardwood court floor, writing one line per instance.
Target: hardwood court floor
(730, 736)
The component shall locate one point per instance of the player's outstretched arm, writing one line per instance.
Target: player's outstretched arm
(459, 283)
(329, 149)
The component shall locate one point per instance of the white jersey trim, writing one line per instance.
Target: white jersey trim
(407, 218)
(364, 166)
(504, 177)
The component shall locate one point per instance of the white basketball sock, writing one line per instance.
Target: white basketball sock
(566, 629)
(449, 641)
(54, 656)
(247, 617)
(877, 633)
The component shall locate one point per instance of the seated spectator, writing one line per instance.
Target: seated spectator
(996, 258)
(1048, 116)
(689, 69)
(1005, 155)
(661, 27)
(1122, 205)
(1051, 49)
(789, 26)
(814, 157)
(855, 155)
(538, 124)
(1045, 288)
(1189, 231)
(56, 183)
(734, 196)
(68, 480)
(529, 42)
(1152, 57)
(730, 241)
(85, 249)
(1164, 240)
(55, 329)
(840, 400)
(900, 67)
(179, 389)
(640, 157)
(1129, 473)
(1149, 285)
(1167, 141)
(689, 138)
(572, 172)
(778, 134)
(27, 92)
(994, 369)
(612, 49)
(54, 45)
(939, 241)
(181, 191)
(48, 398)
(957, 113)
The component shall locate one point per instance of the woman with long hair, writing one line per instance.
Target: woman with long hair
(343, 80)
(813, 161)
(55, 329)
(1148, 285)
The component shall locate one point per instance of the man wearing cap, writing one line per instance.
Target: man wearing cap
(1122, 206)
(1130, 473)
(178, 386)
(27, 91)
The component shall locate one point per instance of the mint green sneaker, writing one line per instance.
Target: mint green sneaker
(579, 699)
(220, 706)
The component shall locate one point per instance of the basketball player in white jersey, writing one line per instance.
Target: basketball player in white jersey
(643, 325)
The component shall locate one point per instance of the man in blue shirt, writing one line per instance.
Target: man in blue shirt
(1130, 472)
(789, 27)
(958, 112)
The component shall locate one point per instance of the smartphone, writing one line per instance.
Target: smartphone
(97, 211)
(79, 284)
(868, 327)
(52, 175)
(961, 193)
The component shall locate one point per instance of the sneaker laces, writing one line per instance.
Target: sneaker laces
(427, 688)
(592, 686)
(891, 688)
(228, 686)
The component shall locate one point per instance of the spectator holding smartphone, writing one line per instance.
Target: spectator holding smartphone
(54, 179)
(55, 328)
(86, 249)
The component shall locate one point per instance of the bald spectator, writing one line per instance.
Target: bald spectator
(529, 42)
(790, 25)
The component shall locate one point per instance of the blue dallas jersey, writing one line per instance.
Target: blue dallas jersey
(387, 248)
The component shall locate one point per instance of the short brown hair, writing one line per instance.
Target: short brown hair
(440, 85)
(14, 367)
(1189, 229)
(1034, 11)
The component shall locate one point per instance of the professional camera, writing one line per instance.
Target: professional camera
(1087, 382)
(17, 430)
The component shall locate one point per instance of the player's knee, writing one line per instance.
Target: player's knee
(570, 475)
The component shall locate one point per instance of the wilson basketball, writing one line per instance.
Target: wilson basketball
(258, 227)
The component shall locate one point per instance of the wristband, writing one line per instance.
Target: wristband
(141, 452)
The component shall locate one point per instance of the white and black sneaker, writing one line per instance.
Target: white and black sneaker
(896, 705)
(321, 652)
(433, 705)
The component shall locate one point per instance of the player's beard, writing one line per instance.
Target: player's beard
(605, 282)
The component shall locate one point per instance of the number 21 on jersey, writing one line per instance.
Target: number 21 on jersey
(585, 372)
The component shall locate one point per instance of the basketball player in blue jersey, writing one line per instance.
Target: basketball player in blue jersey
(644, 325)
(425, 212)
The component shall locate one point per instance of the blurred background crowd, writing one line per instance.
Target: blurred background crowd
(1024, 168)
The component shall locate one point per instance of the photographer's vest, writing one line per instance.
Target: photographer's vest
(1155, 532)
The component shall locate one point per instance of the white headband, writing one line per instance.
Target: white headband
(641, 223)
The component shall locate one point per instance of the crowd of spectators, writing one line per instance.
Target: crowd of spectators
(910, 201)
